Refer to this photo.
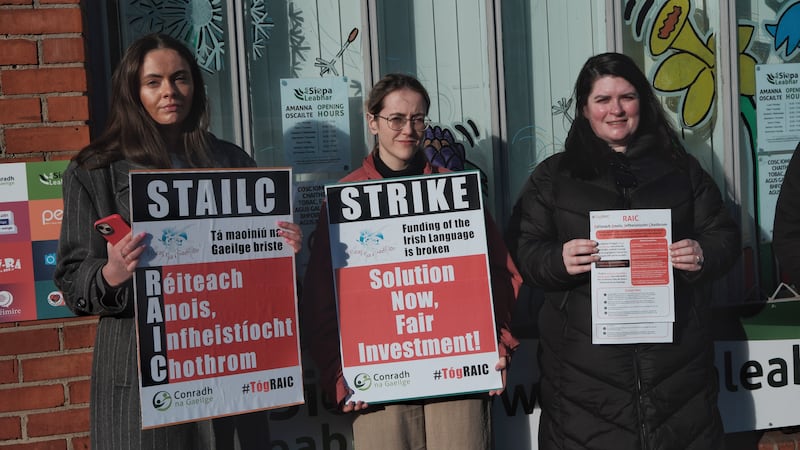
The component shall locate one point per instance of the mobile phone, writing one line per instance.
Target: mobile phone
(112, 227)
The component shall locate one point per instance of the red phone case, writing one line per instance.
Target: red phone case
(112, 227)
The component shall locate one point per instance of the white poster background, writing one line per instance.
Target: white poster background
(759, 383)
(13, 183)
(193, 244)
(387, 240)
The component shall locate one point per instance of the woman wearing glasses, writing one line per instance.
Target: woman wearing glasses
(621, 153)
(396, 115)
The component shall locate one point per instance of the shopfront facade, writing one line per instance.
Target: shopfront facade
(500, 74)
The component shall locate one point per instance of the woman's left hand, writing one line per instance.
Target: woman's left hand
(291, 234)
(502, 367)
(686, 255)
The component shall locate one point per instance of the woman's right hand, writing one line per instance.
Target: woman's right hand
(354, 406)
(579, 254)
(123, 257)
(349, 406)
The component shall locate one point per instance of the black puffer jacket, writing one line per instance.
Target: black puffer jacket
(643, 396)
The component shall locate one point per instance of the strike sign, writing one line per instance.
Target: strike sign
(412, 284)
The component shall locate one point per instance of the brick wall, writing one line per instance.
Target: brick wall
(44, 384)
(43, 93)
(44, 365)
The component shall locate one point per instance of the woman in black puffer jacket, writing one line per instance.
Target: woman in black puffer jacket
(622, 153)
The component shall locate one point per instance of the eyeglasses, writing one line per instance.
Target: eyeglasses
(397, 123)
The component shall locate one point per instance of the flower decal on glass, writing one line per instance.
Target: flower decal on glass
(262, 25)
(690, 68)
(562, 108)
(787, 30)
(442, 150)
(297, 40)
(197, 23)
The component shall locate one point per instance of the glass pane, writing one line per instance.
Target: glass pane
(545, 44)
(202, 26)
(769, 33)
(680, 59)
(309, 40)
(444, 44)
(678, 43)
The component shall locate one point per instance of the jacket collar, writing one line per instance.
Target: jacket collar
(372, 173)
(118, 171)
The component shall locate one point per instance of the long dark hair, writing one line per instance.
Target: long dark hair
(131, 133)
(586, 154)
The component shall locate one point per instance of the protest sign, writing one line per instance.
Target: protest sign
(412, 284)
(216, 300)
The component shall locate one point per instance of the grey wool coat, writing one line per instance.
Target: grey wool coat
(115, 412)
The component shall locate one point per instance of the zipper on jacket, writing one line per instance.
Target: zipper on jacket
(639, 414)
(626, 195)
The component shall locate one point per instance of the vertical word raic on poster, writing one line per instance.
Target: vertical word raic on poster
(216, 301)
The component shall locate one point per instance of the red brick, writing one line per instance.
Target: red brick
(10, 428)
(24, 341)
(31, 397)
(41, 81)
(79, 336)
(62, 156)
(58, 444)
(26, 158)
(65, 109)
(20, 110)
(81, 443)
(41, 21)
(45, 139)
(79, 392)
(59, 422)
(16, 2)
(63, 50)
(9, 371)
(58, 322)
(57, 367)
(18, 51)
(57, 2)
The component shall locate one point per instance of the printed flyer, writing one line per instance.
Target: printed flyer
(316, 123)
(778, 125)
(633, 296)
(216, 299)
(412, 283)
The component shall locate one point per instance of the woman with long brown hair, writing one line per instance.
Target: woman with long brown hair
(158, 119)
